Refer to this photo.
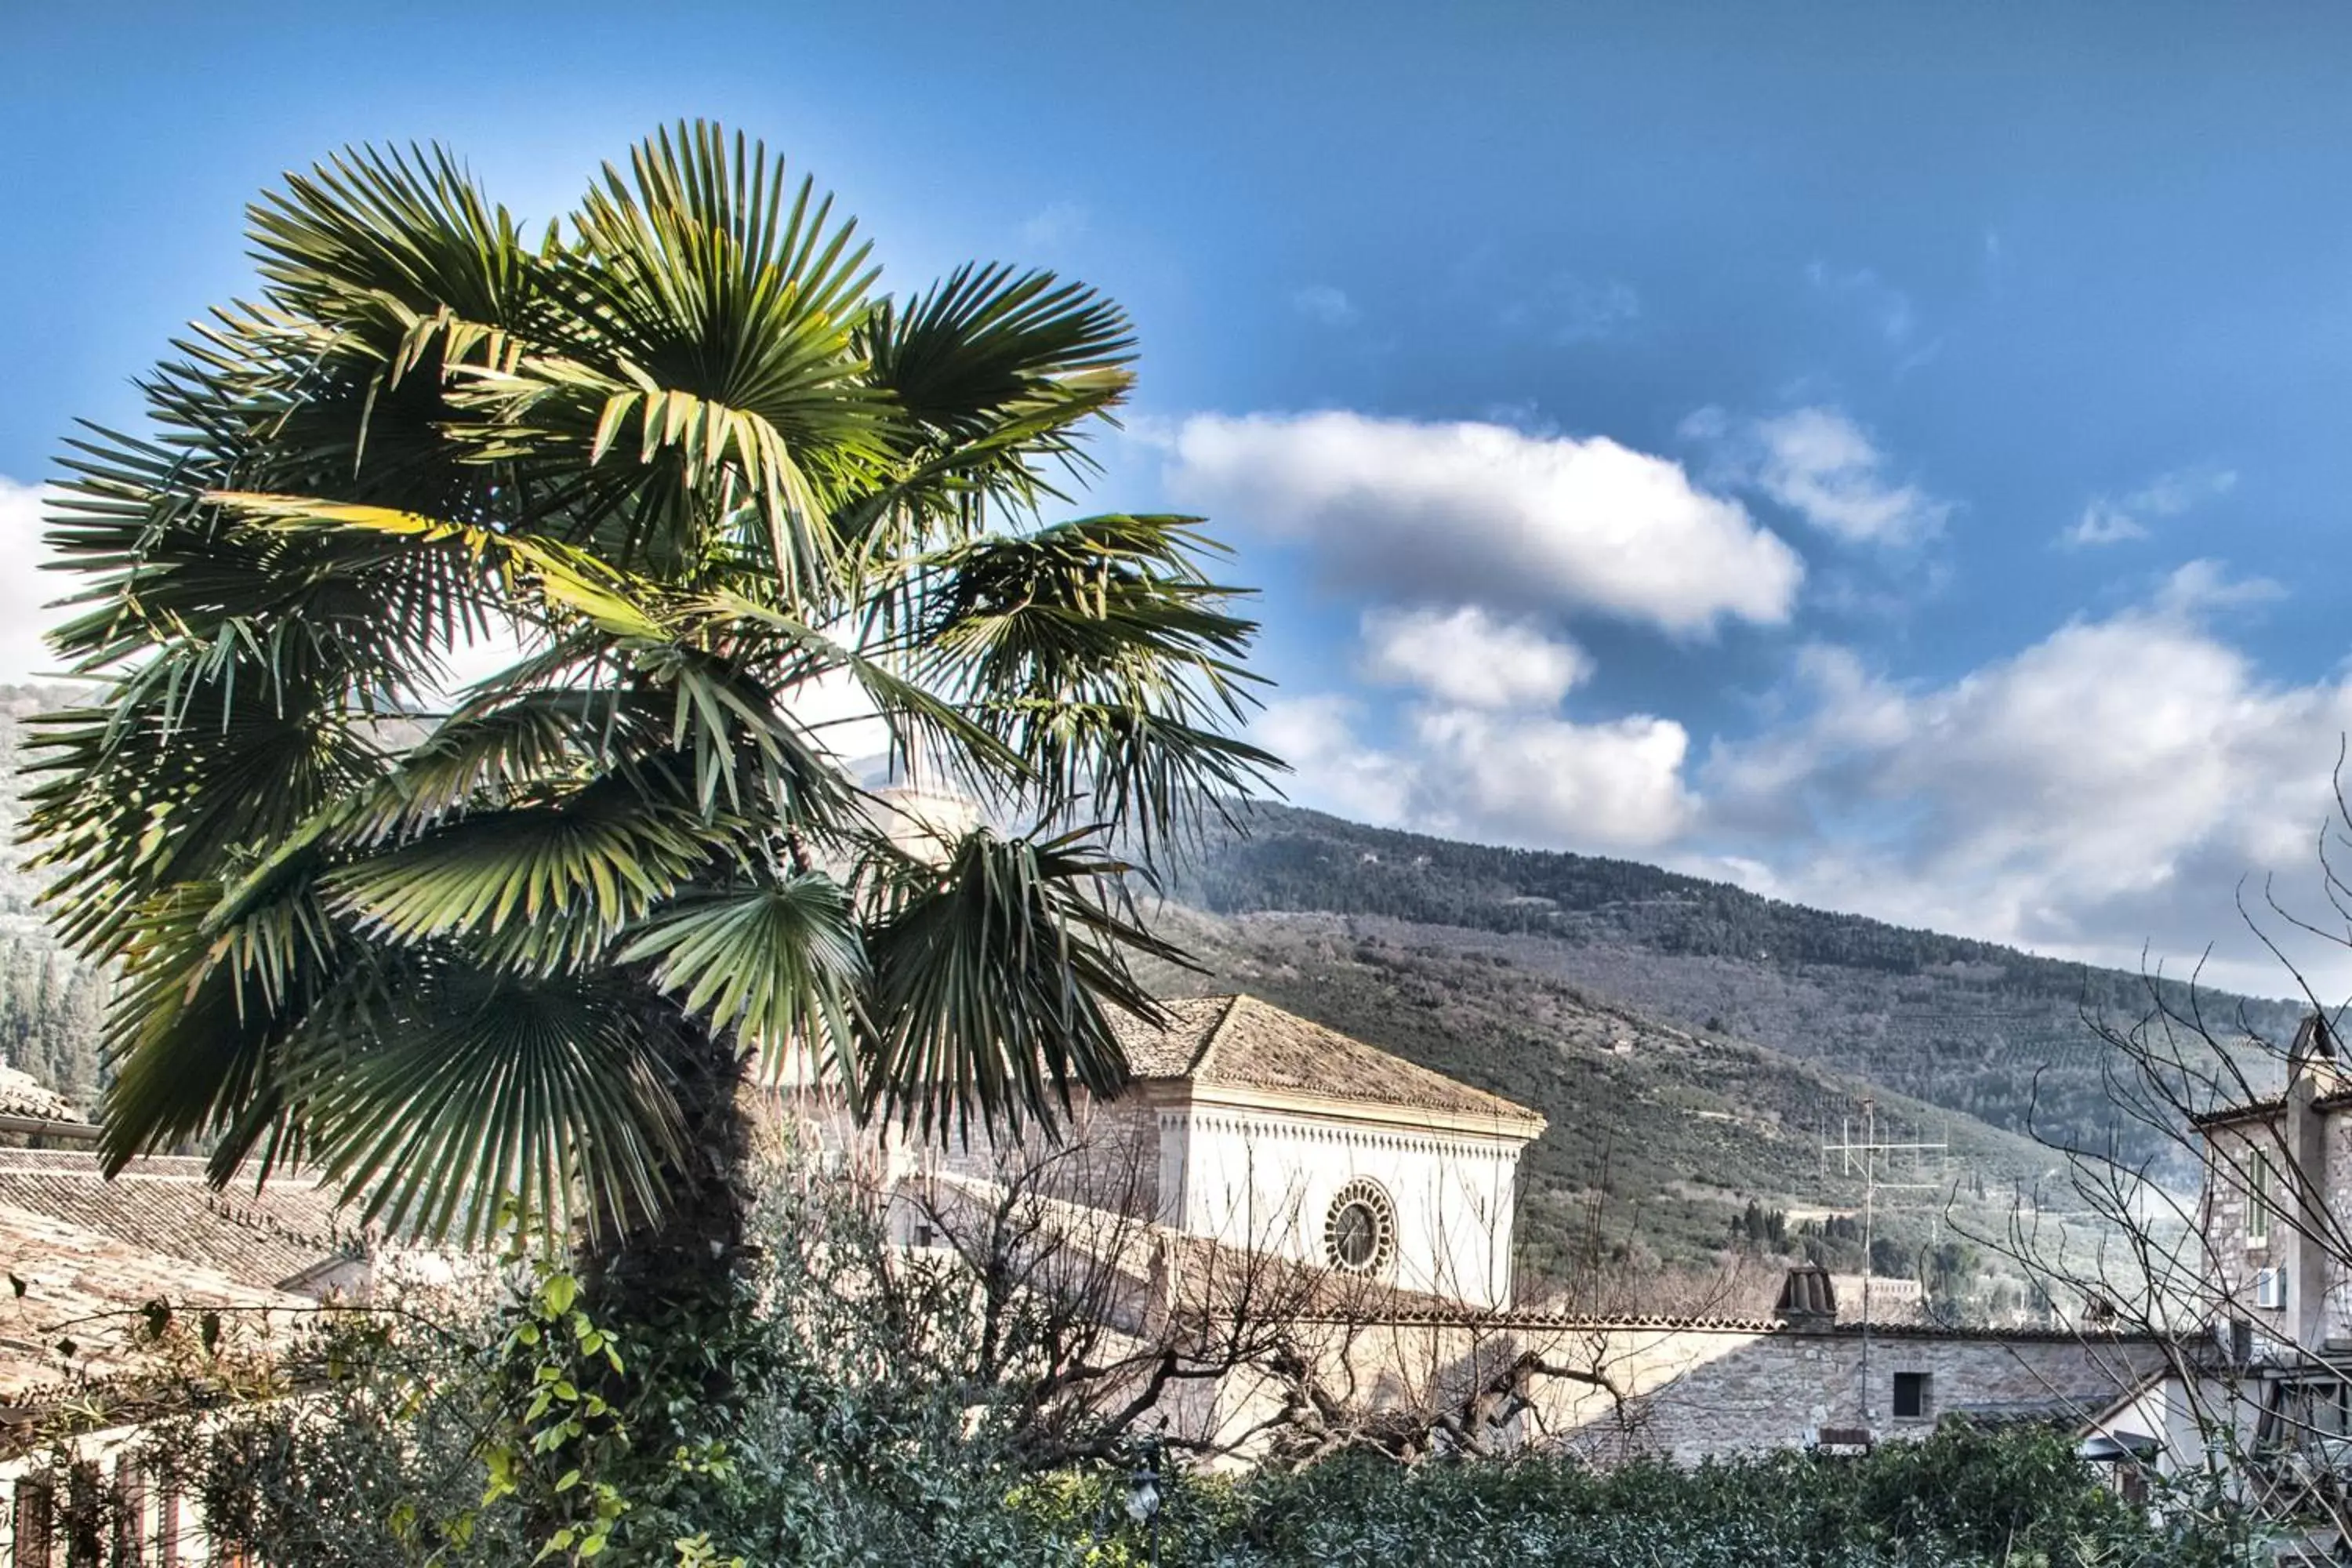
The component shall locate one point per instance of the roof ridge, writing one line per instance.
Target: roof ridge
(1486, 1101)
(1216, 1034)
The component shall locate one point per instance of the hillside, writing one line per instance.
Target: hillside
(1970, 1027)
(1691, 1042)
(1659, 1136)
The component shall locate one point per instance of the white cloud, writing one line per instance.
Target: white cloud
(2202, 585)
(25, 590)
(1885, 306)
(1569, 308)
(2112, 520)
(2106, 786)
(1322, 302)
(1469, 657)
(2104, 522)
(1510, 778)
(1330, 767)
(1483, 513)
(1481, 757)
(1541, 781)
(1823, 465)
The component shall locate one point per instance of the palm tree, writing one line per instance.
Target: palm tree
(519, 936)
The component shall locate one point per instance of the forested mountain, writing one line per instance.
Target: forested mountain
(1978, 1028)
(49, 1004)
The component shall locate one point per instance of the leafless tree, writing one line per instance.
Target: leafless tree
(2215, 1214)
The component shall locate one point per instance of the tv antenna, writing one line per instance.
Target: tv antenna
(1867, 1153)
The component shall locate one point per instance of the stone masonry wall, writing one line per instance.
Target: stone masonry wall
(2230, 1259)
(1695, 1391)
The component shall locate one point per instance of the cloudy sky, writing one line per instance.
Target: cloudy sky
(1894, 459)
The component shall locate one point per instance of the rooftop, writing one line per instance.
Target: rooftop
(83, 1258)
(1246, 1042)
(21, 1094)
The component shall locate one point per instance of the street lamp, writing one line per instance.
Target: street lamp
(1143, 1494)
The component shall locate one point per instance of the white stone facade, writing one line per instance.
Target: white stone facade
(1250, 1170)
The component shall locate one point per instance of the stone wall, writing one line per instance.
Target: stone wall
(1694, 1391)
(2232, 1257)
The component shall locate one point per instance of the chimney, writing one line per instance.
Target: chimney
(1808, 1302)
(2312, 1057)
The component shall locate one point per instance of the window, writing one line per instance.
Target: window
(1360, 1233)
(2270, 1289)
(2258, 1199)
(1912, 1392)
(36, 1509)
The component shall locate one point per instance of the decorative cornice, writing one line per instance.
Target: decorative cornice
(1336, 1109)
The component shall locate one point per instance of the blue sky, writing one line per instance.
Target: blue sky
(1896, 459)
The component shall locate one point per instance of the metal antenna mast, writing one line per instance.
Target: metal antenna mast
(1867, 1151)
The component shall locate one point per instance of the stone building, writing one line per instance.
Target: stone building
(2274, 1384)
(1701, 1387)
(1274, 1133)
(2276, 1204)
(1250, 1128)
(88, 1260)
(1250, 1132)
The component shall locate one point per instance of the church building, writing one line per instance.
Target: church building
(1277, 1134)
(1260, 1132)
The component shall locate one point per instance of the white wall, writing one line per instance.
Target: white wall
(1265, 1179)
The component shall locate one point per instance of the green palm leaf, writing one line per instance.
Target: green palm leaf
(453, 1086)
(517, 939)
(780, 968)
(1102, 655)
(993, 976)
(544, 885)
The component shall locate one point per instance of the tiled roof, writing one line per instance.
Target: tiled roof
(2264, 1110)
(1244, 1043)
(23, 1095)
(1522, 1319)
(2253, 1110)
(165, 1207)
(83, 1258)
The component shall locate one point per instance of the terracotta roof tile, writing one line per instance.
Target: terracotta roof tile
(164, 1206)
(21, 1094)
(91, 1254)
(1244, 1043)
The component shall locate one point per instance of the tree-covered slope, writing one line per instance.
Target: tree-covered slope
(1659, 1136)
(49, 1004)
(1972, 1026)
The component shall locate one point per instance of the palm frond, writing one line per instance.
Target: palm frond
(1101, 654)
(451, 1086)
(546, 884)
(728, 305)
(992, 981)
(781, 968)
(197, 1037)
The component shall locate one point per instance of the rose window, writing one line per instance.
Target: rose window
(1360, 1235)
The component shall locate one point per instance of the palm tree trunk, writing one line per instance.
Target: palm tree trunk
(671, 1285)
